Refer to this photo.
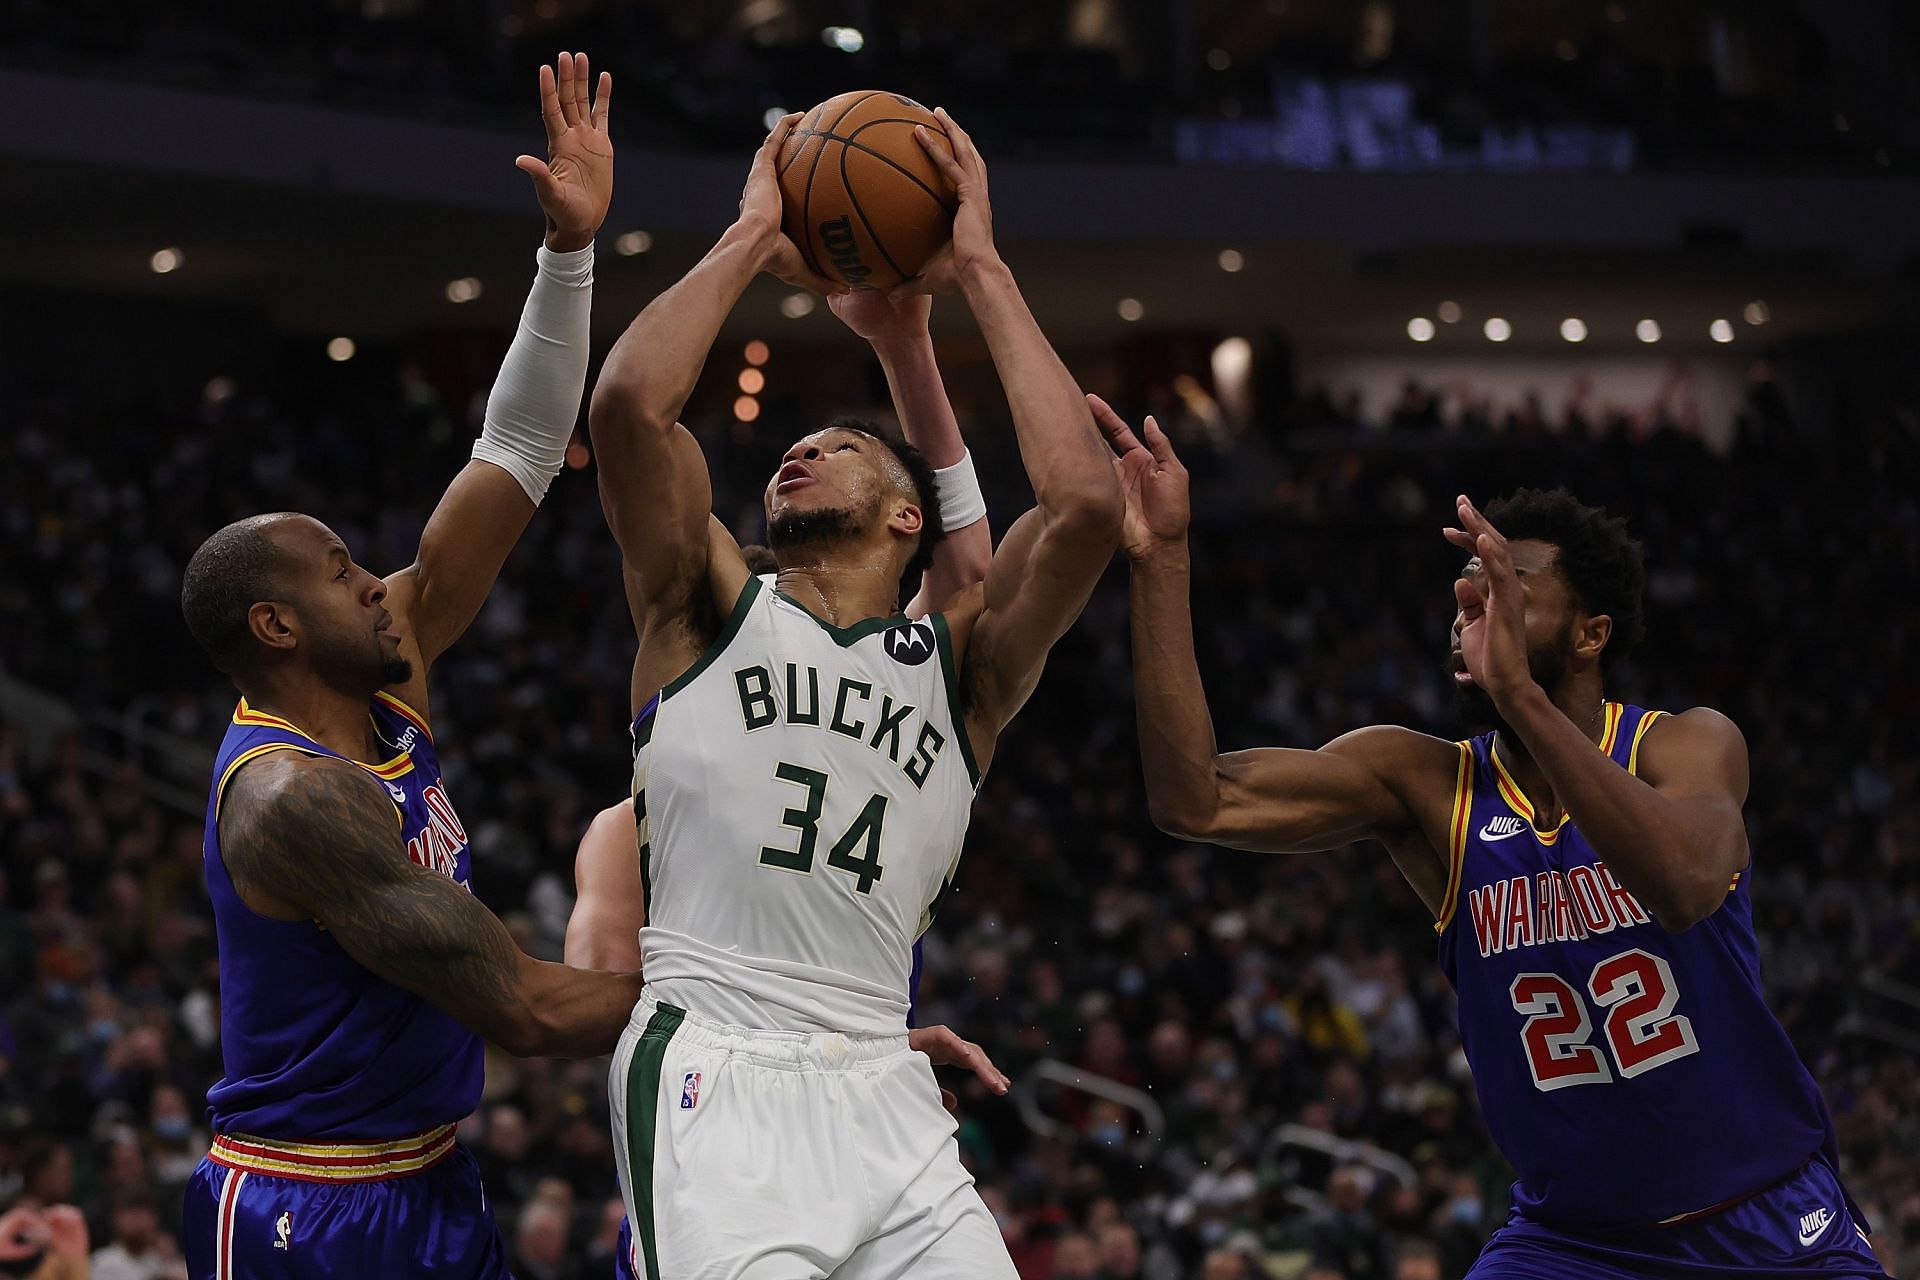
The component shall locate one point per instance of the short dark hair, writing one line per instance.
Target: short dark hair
(926, 488)
(231, 572)
(1596, 555)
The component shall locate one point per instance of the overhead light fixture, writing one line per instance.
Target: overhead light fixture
(1721, 331)
(845, 39)
(341, 350)
(465, 289)
(167, 260)
(1131, 310)
(1420, 329)
(757, 352)
(1647, 331)
(1449, 312)
(746, 409)
(632, 242)
(1232, 260)
(1573, 329)
(1496, 329)
(752, 381)
(1757, 312)
(796, 305)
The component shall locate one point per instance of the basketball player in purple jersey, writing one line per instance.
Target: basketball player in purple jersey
(357, 971)
(1587, 869)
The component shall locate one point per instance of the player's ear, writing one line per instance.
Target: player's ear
(1591, 633)
(271, 623)
(906, 518)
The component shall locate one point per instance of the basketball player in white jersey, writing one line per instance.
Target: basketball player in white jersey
(805, 759)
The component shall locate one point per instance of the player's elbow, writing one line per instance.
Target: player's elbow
(1687, 899)
(1088, 512)
(620, 403)
(1192, 818)
(521, 1030)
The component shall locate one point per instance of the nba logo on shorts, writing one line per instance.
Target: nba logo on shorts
(283, 1230)
(690, 1091)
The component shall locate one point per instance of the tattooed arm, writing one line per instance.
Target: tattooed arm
(308, 837)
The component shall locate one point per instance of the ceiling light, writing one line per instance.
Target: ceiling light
(1131, 310)
(1420, 329)
(1721, 331)
(1573, 329)
(341, 350)
(1496, 329)
(633, 242)
(167, 260)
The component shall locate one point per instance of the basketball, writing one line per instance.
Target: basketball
(864, 202)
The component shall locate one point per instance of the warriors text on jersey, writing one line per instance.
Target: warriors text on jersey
(1631, 1075)
(802, 794)
(313, 1044)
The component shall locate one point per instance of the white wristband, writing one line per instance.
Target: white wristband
(961, 502)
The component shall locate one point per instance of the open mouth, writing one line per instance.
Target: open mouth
(1458, 665)
(794, 475)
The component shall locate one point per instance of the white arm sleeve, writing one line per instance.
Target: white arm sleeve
(536, 399)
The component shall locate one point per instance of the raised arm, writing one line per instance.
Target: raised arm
(535, 401)
(1041, 576)
(609, 906)
(308, 837)
(654, 483)
(1673, 834)
(1373, 783)
(897, 330)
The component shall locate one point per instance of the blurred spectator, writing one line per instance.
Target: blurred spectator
(138, 1250)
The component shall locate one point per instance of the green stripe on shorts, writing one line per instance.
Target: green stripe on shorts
(643, 1110)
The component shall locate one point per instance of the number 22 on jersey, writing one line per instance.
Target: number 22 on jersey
(1635, 990)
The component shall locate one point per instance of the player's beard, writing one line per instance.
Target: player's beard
(1474, 705)
(801, 528)
(358, 663)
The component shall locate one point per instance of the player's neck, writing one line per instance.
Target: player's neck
(335, 720)
(845, 591)
(1579, 700)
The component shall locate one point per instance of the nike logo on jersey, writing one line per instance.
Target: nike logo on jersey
(398, 792)
(1502, 829)
(1814, 1225)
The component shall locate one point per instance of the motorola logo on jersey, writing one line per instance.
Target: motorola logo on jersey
(910, 646)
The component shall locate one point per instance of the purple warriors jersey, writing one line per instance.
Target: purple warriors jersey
(1629, 1074)
(313, 1044)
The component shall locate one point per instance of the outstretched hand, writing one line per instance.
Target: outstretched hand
(972, 242)
(575, 182)
(762, 208)
(1493, 607)
(1152, 478)
(945, 1047)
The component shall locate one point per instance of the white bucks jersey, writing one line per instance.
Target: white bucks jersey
(803, 792)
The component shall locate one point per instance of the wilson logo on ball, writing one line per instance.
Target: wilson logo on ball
(843, 251)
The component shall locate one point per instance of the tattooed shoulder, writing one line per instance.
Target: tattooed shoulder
(298, 830)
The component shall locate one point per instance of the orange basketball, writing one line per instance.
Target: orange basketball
(864, 202)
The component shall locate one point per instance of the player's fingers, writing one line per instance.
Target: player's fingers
(602, 100)
(582, 85)
(983, 1067)
(1459, 538)
(569, 104)
(943, 159)
(1113, 426)
(550, 103)
(961, 139)
(1468, 597)
(1157, 442)
(545, 185)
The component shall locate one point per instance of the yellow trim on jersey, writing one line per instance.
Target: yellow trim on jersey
(1611, 734)
(1457, 824)
(1633, 756)
(399, 766)
(419, 720)
(244, 714)
(1517, 799)
(252, 753)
